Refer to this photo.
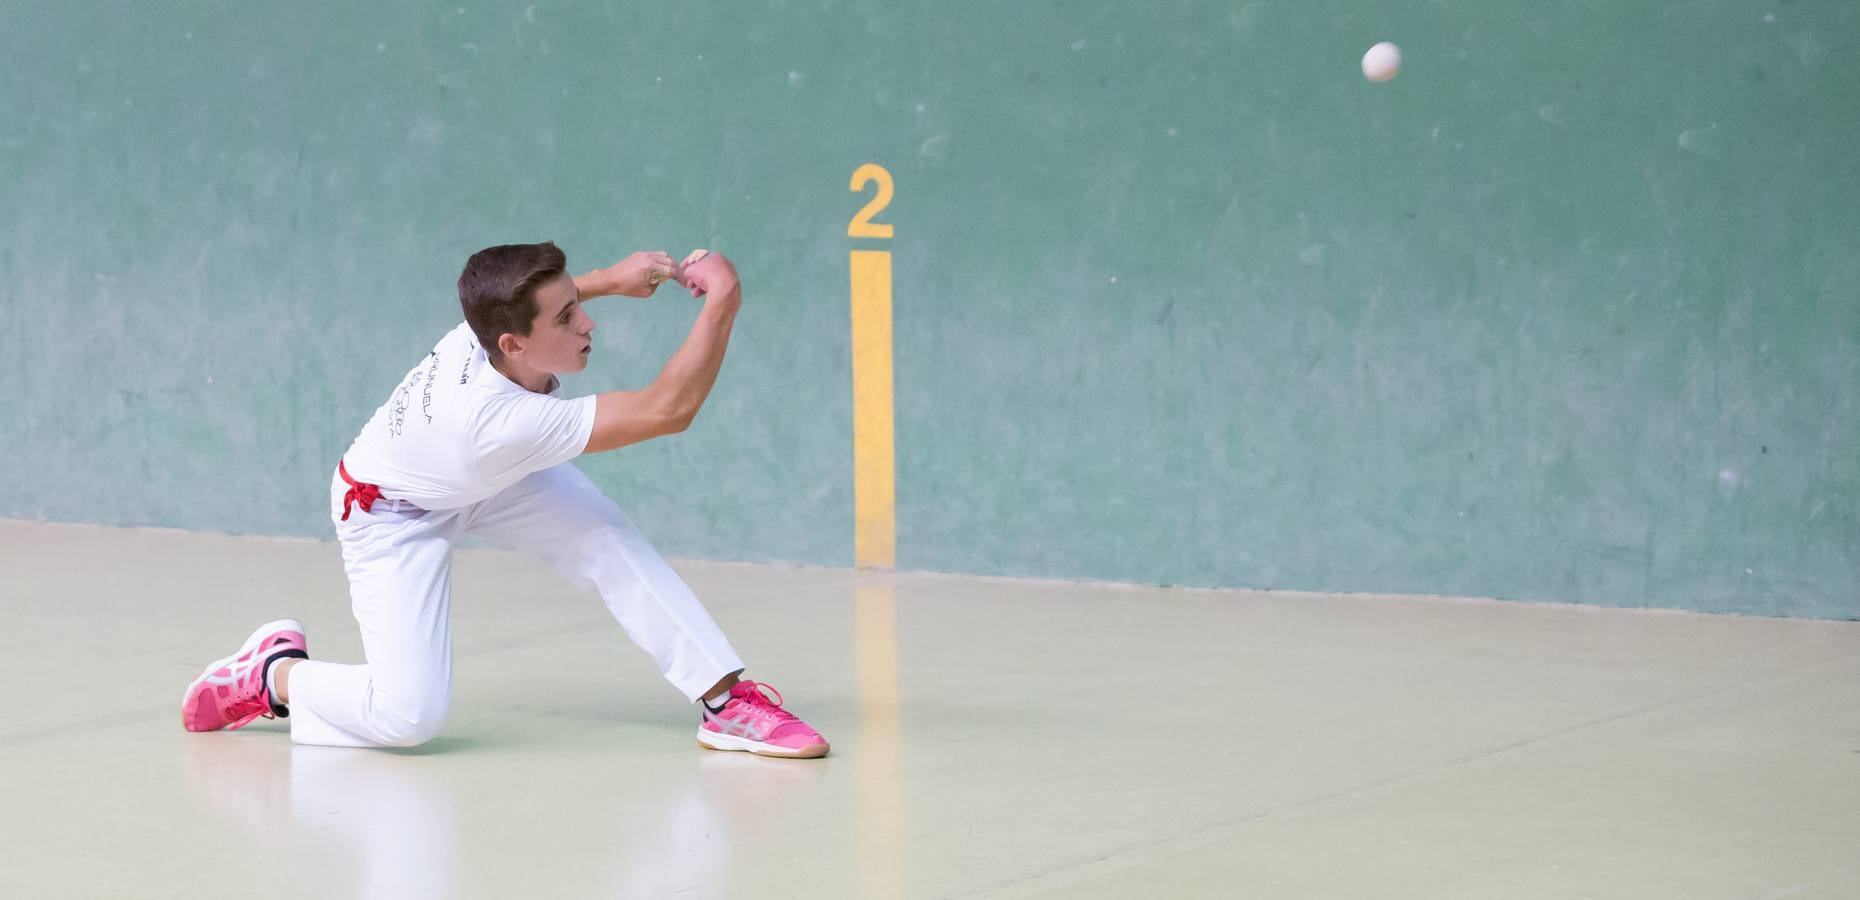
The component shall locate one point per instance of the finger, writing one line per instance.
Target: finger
(695, 256)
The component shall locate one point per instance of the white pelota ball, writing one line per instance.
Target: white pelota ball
(1382, 62)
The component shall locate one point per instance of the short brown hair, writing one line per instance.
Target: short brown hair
(497, 290)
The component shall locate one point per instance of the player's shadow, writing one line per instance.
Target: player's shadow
(444, 744)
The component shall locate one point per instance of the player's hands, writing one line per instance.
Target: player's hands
(642, 273)
(705, 273)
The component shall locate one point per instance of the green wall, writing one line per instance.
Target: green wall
(1568, 311)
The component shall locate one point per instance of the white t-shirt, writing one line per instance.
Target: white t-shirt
(457, 431)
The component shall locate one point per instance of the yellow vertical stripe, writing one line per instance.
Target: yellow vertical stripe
(874, 466)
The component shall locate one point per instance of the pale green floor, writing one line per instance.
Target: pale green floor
(991, 738)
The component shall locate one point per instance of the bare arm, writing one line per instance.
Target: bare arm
(636, 276)
(594, 284)
(672, 400)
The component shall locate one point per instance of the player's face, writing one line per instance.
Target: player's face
(560, 338)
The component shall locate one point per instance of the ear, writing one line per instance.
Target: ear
(508, 343)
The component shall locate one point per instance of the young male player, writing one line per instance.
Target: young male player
(477, 441)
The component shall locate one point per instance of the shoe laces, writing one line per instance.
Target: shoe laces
(766, 699)
(252, 691)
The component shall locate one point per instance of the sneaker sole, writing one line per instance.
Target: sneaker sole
(251, 644)
(713, 741)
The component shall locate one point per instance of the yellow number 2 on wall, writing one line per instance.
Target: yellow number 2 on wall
(862, 225)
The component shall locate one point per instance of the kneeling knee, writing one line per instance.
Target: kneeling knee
(410, 725)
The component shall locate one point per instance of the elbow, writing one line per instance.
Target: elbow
(671, 413)
(677, 423)
(675, 418)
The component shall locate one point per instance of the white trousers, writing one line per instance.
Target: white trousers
(399, 560)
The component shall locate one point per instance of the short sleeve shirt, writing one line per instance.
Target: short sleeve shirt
(456, 431)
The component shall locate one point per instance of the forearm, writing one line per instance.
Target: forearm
(686, 380)
(598, 283)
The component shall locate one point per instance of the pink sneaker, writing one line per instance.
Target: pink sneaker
(232, 691)
(754, 721)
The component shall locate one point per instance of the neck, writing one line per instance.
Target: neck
(527, 378)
